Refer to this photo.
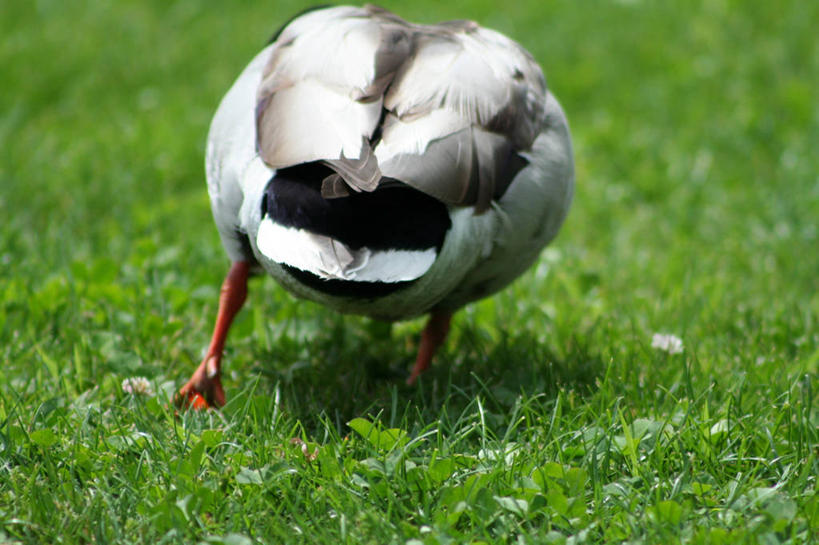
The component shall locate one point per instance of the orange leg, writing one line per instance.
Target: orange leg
(432, 338)
(204, 389)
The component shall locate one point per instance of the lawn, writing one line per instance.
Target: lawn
(548, 418)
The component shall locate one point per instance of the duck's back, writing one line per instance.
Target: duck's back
(387, 168)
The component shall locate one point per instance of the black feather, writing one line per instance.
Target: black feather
(393, 217)
(346, 288)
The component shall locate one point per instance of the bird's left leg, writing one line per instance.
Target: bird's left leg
(204, 389)
(432, 338)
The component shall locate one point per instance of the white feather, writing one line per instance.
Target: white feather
(315, 121)
(412, 136)
(316, 94)
(472, 73)
(253, 181)
(329, 50)
(315, 19)
(330, 259)
(231, 149)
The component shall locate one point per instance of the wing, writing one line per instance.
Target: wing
(322, 91)
(443, 108)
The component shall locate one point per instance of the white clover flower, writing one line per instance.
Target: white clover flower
(667, 343)
(137, 386)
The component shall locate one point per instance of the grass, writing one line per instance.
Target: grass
(549, 418)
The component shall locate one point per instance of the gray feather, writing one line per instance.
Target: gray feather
(491, 87)
(360, 174)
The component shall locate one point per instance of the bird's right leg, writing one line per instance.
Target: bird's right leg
(204, 389)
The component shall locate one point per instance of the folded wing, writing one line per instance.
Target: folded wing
(443, 108)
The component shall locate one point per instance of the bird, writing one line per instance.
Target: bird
(383, 168)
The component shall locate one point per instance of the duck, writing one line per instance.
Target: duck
(383, 168)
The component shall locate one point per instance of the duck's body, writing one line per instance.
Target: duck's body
(385, 169)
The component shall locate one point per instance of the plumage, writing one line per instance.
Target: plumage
(385, 168)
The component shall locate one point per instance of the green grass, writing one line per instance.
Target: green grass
(548, 418)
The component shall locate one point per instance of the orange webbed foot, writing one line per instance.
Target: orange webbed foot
(204, 389)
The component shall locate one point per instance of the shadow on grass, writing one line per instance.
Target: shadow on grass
(348, 372)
